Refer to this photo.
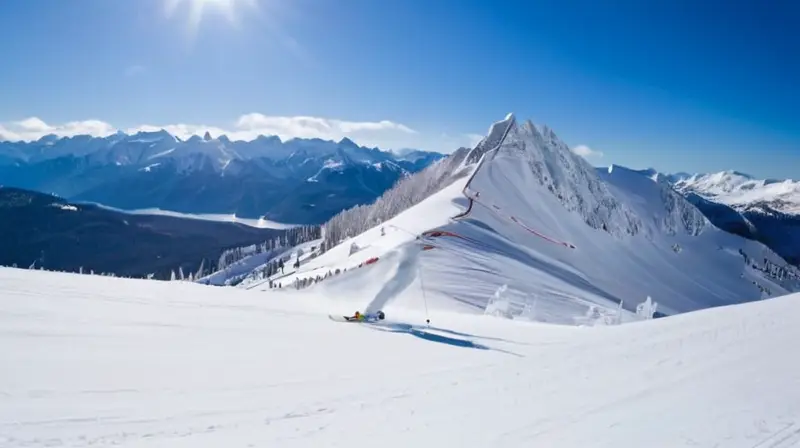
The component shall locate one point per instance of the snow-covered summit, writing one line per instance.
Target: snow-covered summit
(497, 132)
(548, 161)
(744, 192)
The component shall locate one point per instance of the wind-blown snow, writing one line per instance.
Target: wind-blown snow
(100, 361)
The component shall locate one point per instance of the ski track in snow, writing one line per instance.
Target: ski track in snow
(99, 361)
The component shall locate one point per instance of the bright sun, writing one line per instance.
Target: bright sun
(197, 8)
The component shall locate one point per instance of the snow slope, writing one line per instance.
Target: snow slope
(434, 211)
(743, 192)
(553, 240)
(99, 361)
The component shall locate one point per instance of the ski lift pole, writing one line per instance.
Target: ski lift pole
(424, 298)
(419, 274)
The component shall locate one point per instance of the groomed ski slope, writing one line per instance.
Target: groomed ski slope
(96, 361)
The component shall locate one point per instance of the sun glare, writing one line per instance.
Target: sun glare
(198, 8)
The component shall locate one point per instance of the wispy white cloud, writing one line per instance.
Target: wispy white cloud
(251, 125)
(34, 128)
(586, 152)
(247, 127)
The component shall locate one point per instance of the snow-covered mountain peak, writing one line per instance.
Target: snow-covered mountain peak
(744, 192)
(268, 139)
(566, 176)
(497, 132)
(146, 136)
(601, 197)
(48, 139)
(347, 143)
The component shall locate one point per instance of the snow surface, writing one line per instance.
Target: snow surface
(741, 190)
(434, 211)
(100, 361)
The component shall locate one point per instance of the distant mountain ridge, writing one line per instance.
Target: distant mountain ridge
(295, 181)
(766, 210)
(744, 192)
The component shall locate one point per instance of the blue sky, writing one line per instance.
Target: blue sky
(677, 85)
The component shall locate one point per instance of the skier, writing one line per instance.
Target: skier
(360, 317)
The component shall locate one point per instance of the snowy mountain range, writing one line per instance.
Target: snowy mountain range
(745, 193)
(294, 181)
(543, 235)
(764, 210)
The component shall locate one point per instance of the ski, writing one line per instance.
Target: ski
(339, 318)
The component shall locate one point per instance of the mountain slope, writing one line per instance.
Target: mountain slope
(633, 238)
(540, 228)
(264, 177)
(101, 361)
(49, 232)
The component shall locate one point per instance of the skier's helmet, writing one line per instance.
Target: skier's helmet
(357, 314)
(381, 315)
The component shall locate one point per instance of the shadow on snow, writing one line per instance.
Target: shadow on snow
(420, 332)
